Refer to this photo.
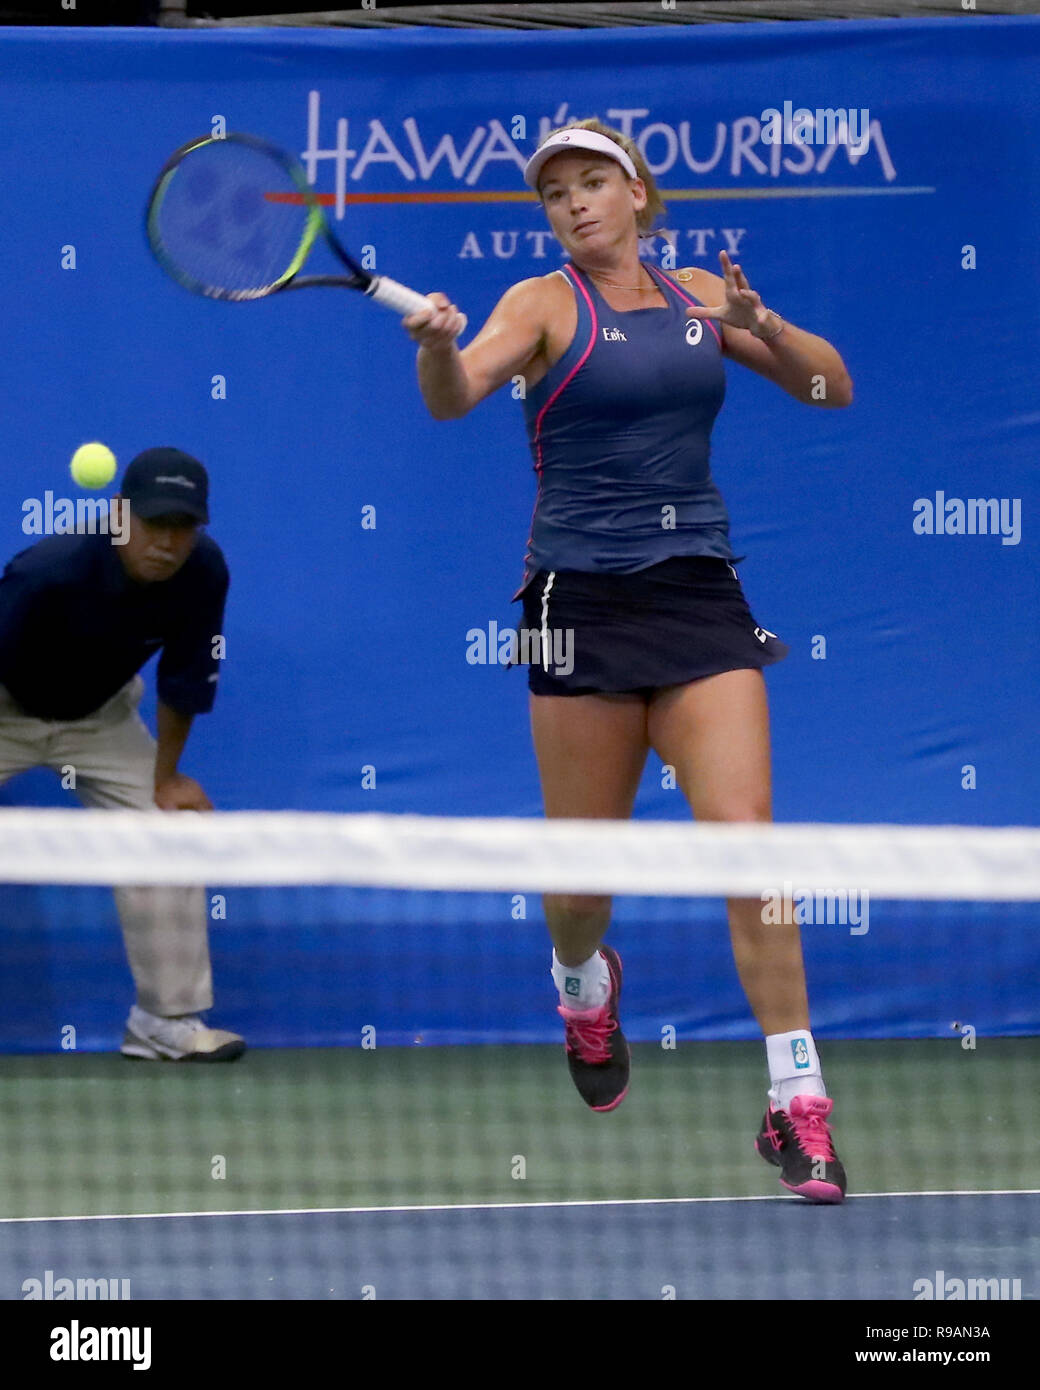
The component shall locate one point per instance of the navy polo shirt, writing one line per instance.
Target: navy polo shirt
(74, 628)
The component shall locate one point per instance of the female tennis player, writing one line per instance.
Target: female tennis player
(629, 549)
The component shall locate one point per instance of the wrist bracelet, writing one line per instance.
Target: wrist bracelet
(771, 336)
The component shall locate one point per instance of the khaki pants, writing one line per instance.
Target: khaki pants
(112, 755)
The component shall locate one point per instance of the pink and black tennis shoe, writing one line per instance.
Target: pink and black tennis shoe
(798, 1142)
(597, 1052)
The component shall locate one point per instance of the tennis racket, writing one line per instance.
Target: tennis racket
(235, 218)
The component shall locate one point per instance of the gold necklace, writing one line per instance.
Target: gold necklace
(644, 289)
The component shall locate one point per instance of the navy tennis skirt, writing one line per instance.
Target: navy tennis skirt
(680, 620)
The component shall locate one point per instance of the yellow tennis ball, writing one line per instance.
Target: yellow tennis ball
(93, 465)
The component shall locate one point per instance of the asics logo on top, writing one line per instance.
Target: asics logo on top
(694, 332)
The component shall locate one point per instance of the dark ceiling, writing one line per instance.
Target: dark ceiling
(568, 15)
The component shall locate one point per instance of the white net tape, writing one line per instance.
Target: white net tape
(658, 858)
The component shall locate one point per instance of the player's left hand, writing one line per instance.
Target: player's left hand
(181, 793)
(743, 307)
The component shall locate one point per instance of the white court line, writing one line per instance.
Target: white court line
(509, 1206)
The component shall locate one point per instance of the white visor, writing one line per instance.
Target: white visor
(576, 139)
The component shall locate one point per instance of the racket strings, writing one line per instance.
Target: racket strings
(229, 219)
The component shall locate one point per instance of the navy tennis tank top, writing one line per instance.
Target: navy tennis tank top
(620, 433)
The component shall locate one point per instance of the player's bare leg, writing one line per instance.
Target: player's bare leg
(715, 733)
(591, 750)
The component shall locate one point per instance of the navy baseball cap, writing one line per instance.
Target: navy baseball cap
(161, 481)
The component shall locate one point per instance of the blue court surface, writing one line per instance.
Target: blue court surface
(872, 1248)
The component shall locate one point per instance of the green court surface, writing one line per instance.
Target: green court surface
(87, 1135)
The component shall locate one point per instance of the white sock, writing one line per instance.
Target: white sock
(585, 986)
(794, 1067)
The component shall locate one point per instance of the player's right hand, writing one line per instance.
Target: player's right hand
(438, 329)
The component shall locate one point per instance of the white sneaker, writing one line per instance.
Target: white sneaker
(177, 1039)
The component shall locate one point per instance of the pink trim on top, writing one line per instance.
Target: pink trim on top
(574, 370)
(689, 299)
(552, 399)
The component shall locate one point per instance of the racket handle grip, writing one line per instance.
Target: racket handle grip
(400, 298)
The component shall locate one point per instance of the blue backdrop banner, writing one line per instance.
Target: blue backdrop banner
(892, 544)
